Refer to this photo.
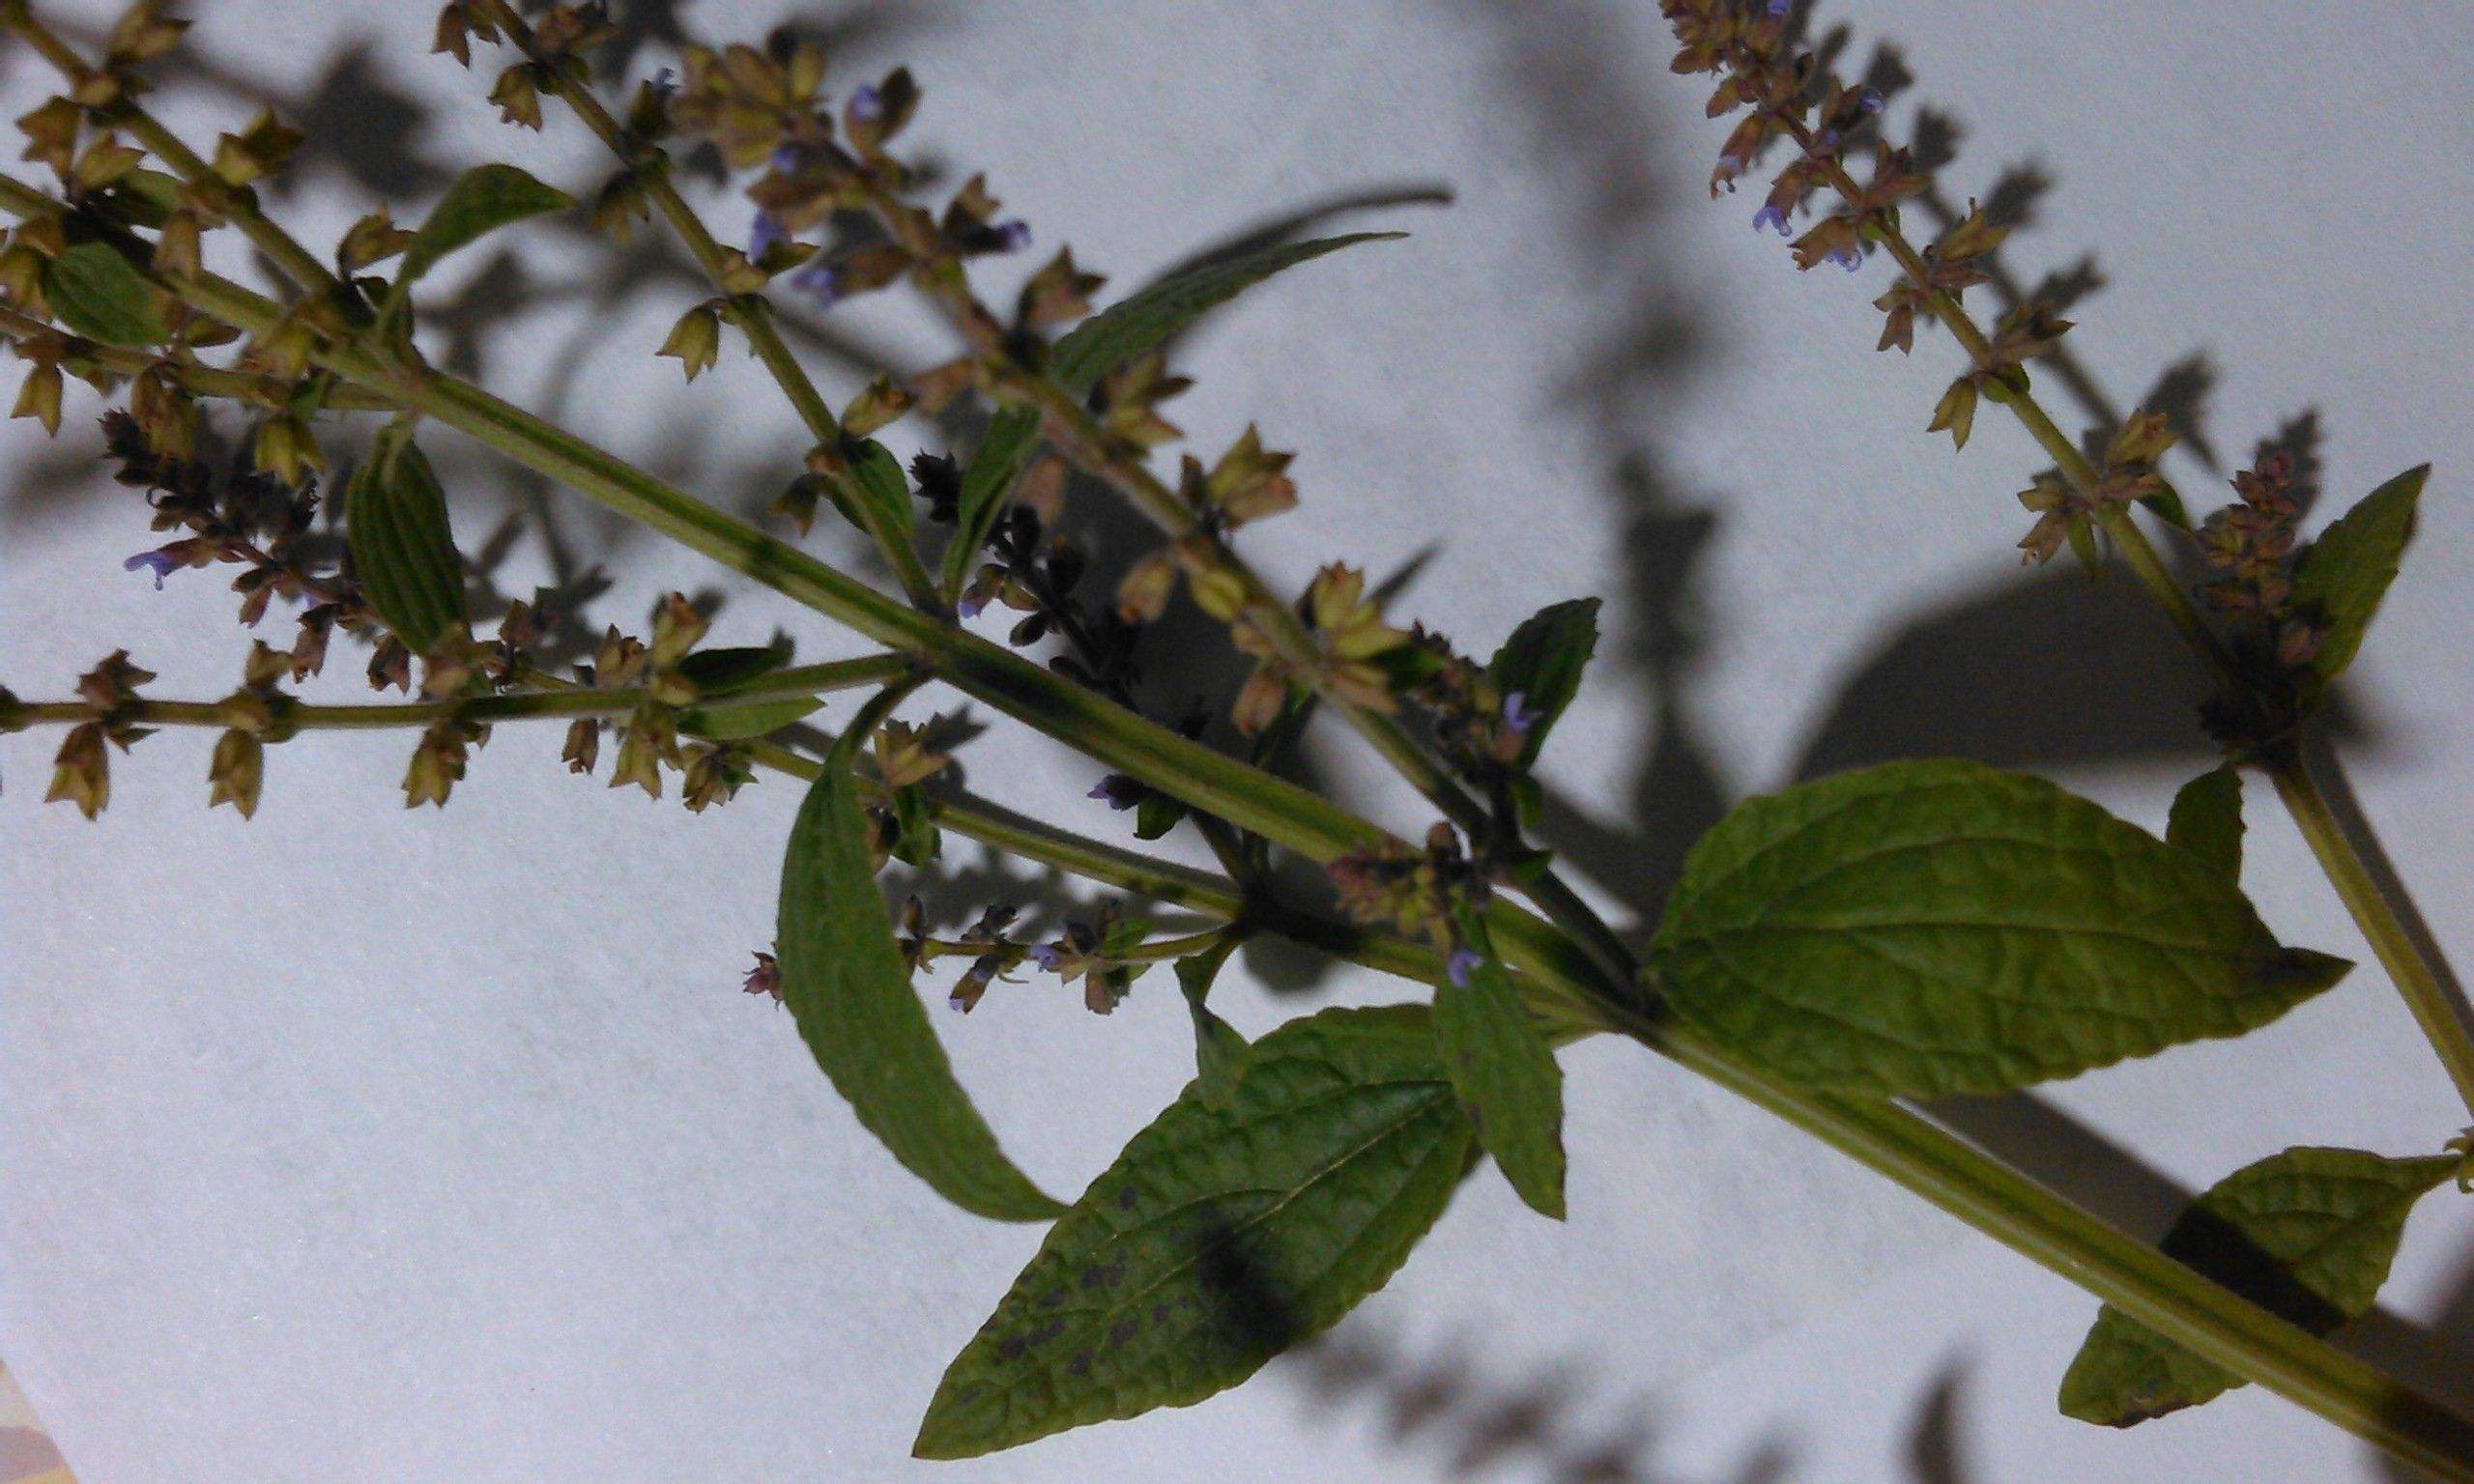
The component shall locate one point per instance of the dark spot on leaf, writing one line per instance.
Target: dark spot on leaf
(1120, 1332)
(1104, 1275)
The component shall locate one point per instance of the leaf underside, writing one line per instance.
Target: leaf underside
(2308, 1234)
(2343, 575)
(403, 548)
(847, 986)
(1226, 1232)
(1142, 322)
(97, 293)
(1507, 1078)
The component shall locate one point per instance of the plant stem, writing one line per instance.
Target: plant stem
(2416, 978)
(193, 377)
(299, 716)
(2399, 952)
(2172, 1299)
(237, 203)
(752, 312)
(2145, 1285)
(1073, 429)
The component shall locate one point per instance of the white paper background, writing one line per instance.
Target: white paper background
(359, 1144)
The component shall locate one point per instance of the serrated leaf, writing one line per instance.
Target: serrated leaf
(97, 293)
(880, 480)
(2343, 576)
(2308, 1234)
(845, 984)
(1925, 928)
(1220, 1050)
(1505, 1076)
(1002, 450)
(402, 547)
(1542, 662)
(715, 671)
(2207, 819)
(1221, 1234)
(737, 721)
(1140, 323)
(482, 200)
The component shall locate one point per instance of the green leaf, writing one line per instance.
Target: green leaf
(482, 200)
(97, 293)
(1507, 1078)
(880, 482)
(2308, 1234)
(1924, 928)
(1544, 660)
(1155, 815)
(1220, 1050)
(402, 546)
(2343, 576)
(1140, 323)
(1221, 1234)
(1001, 454)
(715, 671)
(847, 987)
(915, 840)
(2207, 819)
(723, 720)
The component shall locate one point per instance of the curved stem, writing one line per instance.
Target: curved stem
(752, 312)
(1082, 441)
(2416, 977)
(239, 204)
(1570, 982)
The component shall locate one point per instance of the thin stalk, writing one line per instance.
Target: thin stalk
(1073, 429)
(2175, 1301)
(193, 377)
(237, 203)
(291, 715)
(1927, 1161)
(2417, 979)
(2378, 917)
(752, 312)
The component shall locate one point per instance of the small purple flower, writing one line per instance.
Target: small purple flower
(1869, 101)
(665, 81)
(819, 280)
(969, 607)
(1013, 236)
(1778, 9)
(1773, 216)
(763, 235)
(155, 563)
(1849, 259)
(1044, 954)
(866, 105)
(1460, 965)
(1518, 715)
(788, 158)
(1118, 792)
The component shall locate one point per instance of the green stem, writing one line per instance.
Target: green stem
(1078, 435)
(2435, 1011)
(2416, 977)
(2175, 1301)
(1927, 1161)
(237, 203)
(298, 716)
(751, 312)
